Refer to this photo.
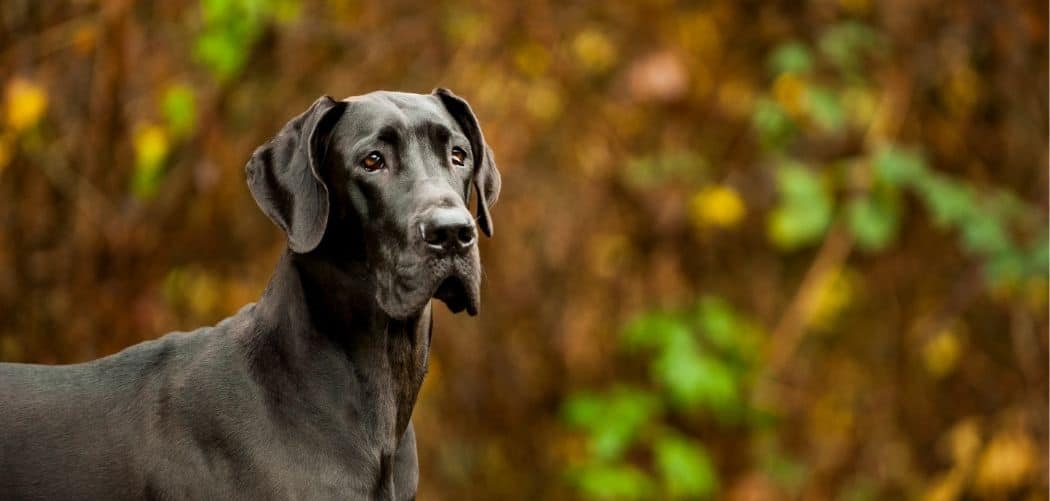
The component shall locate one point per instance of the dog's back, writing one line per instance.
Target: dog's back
(84, 427)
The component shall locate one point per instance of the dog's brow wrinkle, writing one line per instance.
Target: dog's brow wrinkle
(441, 131)
(389, 134)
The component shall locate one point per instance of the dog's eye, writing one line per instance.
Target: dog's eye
(373, 162)
(459, 157)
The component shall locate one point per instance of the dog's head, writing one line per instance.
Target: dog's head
(385, 178)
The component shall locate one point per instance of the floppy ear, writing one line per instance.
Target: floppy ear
(284, 179)
(486, 176)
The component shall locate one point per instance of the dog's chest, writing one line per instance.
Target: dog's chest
(291, 457)
(332, 436)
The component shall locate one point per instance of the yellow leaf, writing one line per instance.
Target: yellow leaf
(1005, 464)
(860, 105)
(543, 101)
(945, 488)
(203, 294)
(595, 52)
(717, 206)
(193, 289)
(532, 59)
(464, 27)
(941, 353)
(790, 91)
(832, 296)
(26, 103)
(964, 441)
(151, 146)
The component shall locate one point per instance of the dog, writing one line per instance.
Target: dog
(307, 393)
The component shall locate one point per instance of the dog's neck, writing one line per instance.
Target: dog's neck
(308, 293)
(320, 323)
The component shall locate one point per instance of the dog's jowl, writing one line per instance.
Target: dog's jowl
(308, 393)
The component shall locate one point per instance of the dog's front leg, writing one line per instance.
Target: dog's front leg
(406, 466)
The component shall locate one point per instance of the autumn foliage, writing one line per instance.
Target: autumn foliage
(745, 250)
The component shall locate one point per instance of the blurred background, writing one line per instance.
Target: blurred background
(744, 250)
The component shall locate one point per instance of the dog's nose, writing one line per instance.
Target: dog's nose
(448, 229)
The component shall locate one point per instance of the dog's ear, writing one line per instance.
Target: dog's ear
(486, 176)
(284, 176)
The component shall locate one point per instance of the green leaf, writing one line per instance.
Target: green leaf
(791, 57)
(230, 27)
(1005, 205)
(213, 10)
(600, 481)
(677, 368)
(1038, 257)
(179, 107)
(685, 467)
(734, 336)
(1018, 264)
(805, 209)
(612, 421)
(718, 387)
(775, 128)
(1005, 268)
(983, 235)
(951, 202)
(653, 330)
(286, 11)
(845, 44)
(873, 220)
(825, 109)
(797, 182)
(718, 322)
(693, 378)
(898, 167)
(222, 54)
(583, 409)
(145, 180)
(797, 225)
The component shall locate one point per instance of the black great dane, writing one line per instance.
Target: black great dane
(308, 393)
